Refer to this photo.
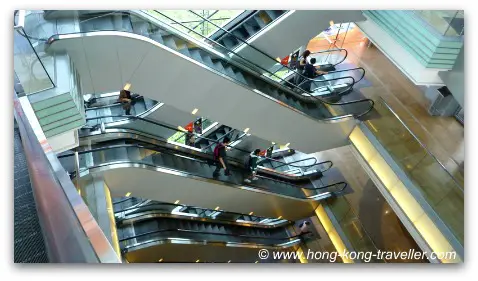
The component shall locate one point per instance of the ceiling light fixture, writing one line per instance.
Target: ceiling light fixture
(127, 86)
(195, 111)
(246, 130)
(127, 194)
(176, 202)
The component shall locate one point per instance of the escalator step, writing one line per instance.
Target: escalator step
(185, 52)
(207, 59)
(240, 77)
(249, 29)
(228, 41)
(260, 21)
(231, 73)
(272, 14)
(141, 28)
(169, 42)
(219, 67)
(157, 37)
(239, 32)
(196, 56)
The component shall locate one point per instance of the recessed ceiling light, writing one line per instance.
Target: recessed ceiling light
(160, 260)
(256, 261)
(127, 86)
(217, 208)
(197, 261)
(279, 217)
(250, 214)
(229, 261)
(246, 130)
(127, 194)
(195, 111)
(176, 202)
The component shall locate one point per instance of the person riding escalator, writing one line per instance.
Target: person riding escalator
(311, 72)
(220, 158)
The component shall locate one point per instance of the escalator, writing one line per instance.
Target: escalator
(244, 27)
(108, 105)
(159, 134)
(240, 71)
(152, 231)
(330, 84)
(169, 172)
(133, 209)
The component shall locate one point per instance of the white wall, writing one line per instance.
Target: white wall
(64, 141)
(165, 187)
(107, 62)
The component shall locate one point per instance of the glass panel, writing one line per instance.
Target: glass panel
(439, 188)
(193, 22)
(28, 68)
(446, 22)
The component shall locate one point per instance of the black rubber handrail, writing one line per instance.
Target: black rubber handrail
(201, 137)
(319, 100)
(168, 152)
(153, 204)
(207, 233)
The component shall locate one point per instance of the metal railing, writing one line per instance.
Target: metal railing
(70, 232)
(316, 163)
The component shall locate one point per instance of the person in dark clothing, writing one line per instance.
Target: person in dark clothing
(220, 158)
(126, 100)
(300, 67)
(311, 72)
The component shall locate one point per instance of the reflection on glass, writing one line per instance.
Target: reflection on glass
(446, 22)
(29, 70)
(193, 22)
(437, 186)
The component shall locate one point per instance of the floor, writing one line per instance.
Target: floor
(364, 215)
(443, 136)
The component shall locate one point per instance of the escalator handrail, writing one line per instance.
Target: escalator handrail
(350, 69)
(140, 212)
(289, 83)
(176, 205)
(207, 233)
(219, 139)
(245, 42)
(330, 51)
(167, 151)
(310, 158)
(285, 66)
(177, 130)
(229, 50)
